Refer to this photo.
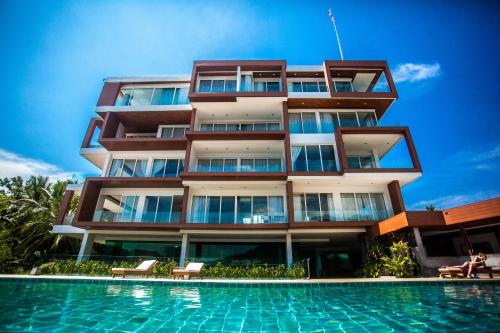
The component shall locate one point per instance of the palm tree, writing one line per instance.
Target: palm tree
(430, 208)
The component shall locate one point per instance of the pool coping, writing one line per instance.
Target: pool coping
(364, 282)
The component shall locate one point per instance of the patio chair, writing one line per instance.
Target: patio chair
(145, 268)
(192, 269)
(450, 271)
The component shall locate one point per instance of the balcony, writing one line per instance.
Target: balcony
(218, 81)
(381, 150)
(91, 149)
(139, 131)
(236, 160)
(326, 121)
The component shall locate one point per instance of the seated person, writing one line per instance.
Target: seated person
(480, 260)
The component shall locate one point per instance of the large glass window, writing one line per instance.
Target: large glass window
(173, 132)
(240, 209)
(162, 209)
(246, 165)
(361, 162)
(348, 119)
(128, 168)
(261, 126)
(152, 96)
(329, 121)
(313, 158)
(363, 206)
(367, 119)
(342, 86)
(167, 167)
(117, 208)
(270, 86)
(313, 207)
(217, 86)
(308, 86)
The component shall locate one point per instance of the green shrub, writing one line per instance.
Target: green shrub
(399, 262)
(219, 271)
(374, 265)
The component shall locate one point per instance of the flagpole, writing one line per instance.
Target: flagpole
(336, 33)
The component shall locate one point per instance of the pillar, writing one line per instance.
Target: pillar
(184, 250)
(420, 249)
(86, 246)
(289, 256)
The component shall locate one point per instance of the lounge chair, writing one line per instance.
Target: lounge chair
(192, 269)
(457, 271)
(145, 268)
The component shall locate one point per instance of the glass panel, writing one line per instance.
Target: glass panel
(353, 162)
(260, 211)
(273, 126)
(299, 162)
(260, 165)
(230, 165)
(203, 165)
(276, 210)
(227, 210)
(181, 166)
(128, 168)
(220, 127)
(364, 206)
(348, 119)
(232, 127)
(322, 86)
(296, 87)
(167, 132)
(381, 85)
(129, 206)
(259, 127)
(313, 158)
(328, 158)
(309, 122)
(123, 97)
(116, 168)
(246, 83)
(171, 168)
(158, 168)
(342, 86)
(367, 119)
(244, 209)
(378, 204)
(207, 127)
(213, 209)
(273, 86)
(310, 87)
(217, 165)
(329, 122)
(141, 96)
(178, 132)
(259, 86)
(175, 216)
(299, 207)
(327, 208)
(274, 165)
(247, 165)
(149, 212)
(163, 96)
(349, 206)
(217, 85)
(230, 85)
(163, 213)
(366, 162)
(205, 85)
(313, 207)
(141, 168)
(198, 209)
(294, 123)
(181, 96)
(247, 127)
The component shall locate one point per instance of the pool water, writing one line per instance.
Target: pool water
(83, 307)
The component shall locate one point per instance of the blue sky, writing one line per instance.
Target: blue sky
(444, 54)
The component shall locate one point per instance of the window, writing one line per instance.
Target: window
(241, 127)
(329, 121)
(128, 168)
(313, 207)
(348, 119)
(271, 86)
(173, 132)
(367, 119)
(120, 208)
(342, 86)
(152, 96)
(217, 86)
(361, 162)
(167, 167)
(308, 86)
(363, 206)
(303, 122)
(239, 209)
(246, 165)
(165, 209)
(313, 158)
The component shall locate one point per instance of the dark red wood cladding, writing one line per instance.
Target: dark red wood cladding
(109, 93)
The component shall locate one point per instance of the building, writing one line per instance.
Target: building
(246, 162)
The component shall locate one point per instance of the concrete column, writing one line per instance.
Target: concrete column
(421, 255)
(184, 250)
(289, 256)
(86, 246)
(238, 78)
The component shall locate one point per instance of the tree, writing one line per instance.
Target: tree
(430, 208)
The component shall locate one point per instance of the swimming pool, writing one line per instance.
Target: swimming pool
(62, 306)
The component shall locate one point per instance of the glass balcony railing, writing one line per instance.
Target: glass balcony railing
(239, 165)
(156, 217)
(261, 82)
(152, 96)
(242, 127)
(232, 218)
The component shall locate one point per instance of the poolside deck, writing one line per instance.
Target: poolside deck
(243, 281)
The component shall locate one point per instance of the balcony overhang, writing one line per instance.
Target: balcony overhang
(235, 135)
(141, 144)
(233, 176)
(117, 226)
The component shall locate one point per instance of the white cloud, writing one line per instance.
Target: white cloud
(12, 165)
(479, 160)
(415, 72)
(454, 200)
